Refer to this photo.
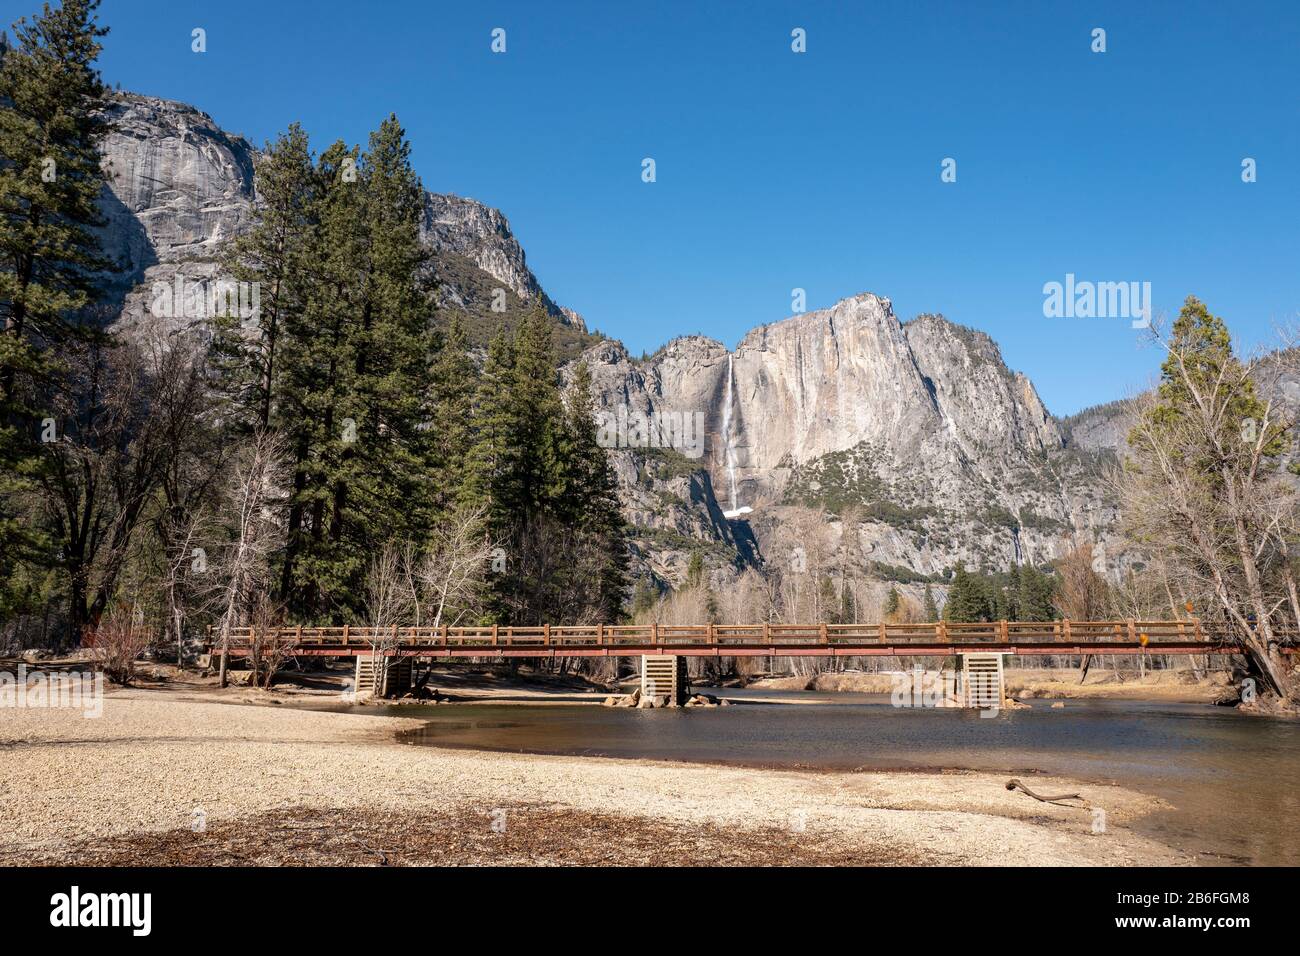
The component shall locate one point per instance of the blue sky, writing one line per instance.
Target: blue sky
(819, 170)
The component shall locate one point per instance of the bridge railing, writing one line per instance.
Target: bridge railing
(1005, 633)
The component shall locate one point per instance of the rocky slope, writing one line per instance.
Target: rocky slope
(1102, 428)
(916, 430)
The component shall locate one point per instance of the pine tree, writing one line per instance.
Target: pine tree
(1034, 595)
(548, 487)
(513, 472)
(929, 610)
(892, 601)
(388, 488)
(589, 500)
(494, 458)
(695, 570)
(968, 599)
(1003, 594)
(848, 606)
(356, 389)
(539, 412)
(643, 596)
(318, 412)
(451, 427)
(1201, 357)
(272, 254)
(515, 455)
(51, 122)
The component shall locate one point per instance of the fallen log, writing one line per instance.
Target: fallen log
(1014, 784)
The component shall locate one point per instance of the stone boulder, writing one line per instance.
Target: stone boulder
(702, 700)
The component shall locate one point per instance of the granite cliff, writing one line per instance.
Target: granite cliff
(918, 431)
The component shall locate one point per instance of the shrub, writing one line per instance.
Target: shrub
(120, 644)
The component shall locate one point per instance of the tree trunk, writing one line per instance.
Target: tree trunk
(1260, 637)
(294, 526)
(225, 656)
(76, 606)
(1291, 592)
(180, 637)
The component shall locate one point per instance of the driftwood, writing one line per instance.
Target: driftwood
(1014, 784)
(383, 857)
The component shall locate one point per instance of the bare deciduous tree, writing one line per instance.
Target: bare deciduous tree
(269, 644)
(255, 485)
(1080, 592)
(390, 602)
(192, 461)
(178, 540)
(452, 574)
(102, 457)
(1203, 487)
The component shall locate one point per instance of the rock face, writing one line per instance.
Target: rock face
(1102, 428)
(178, 188)
(183, 181)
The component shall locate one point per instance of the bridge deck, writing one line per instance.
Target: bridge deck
(756, 640)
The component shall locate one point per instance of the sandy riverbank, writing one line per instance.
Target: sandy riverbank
(1173, 686)
(276, 785)
(454, 684)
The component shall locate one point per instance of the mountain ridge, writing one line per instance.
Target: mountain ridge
(919, 425)
(178, 186)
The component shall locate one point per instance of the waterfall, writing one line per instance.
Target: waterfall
(729, 454)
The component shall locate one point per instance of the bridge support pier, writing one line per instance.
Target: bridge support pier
(664, 675)
(396, 679)
(983, 685)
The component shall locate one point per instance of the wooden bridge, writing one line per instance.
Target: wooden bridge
(754, 640)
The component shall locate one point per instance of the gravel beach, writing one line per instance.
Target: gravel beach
(164, 778)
